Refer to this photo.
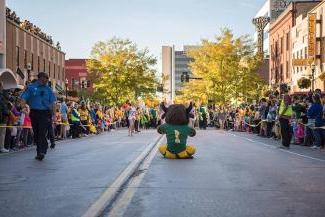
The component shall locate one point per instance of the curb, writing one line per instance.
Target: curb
(108, 196)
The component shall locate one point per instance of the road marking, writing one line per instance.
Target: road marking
(110, 193)
(272, 146)
(121, 204)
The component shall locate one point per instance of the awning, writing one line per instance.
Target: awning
(9, 80)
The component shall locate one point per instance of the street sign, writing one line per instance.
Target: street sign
(302, 62)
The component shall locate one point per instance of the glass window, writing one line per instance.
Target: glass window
(17, 56)
(25, 59)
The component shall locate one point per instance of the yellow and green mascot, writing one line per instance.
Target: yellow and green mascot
(177, 130)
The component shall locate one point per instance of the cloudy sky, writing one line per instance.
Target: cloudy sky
(78, 24)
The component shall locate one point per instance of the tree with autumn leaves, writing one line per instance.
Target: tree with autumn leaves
(227, 66)
(120, 71)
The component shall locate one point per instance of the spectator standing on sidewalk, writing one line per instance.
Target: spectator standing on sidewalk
(315, 120)
(4, 113)
(64, 117)
(40, 97)
(285, 114)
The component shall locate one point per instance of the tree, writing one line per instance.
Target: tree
(228, 68)
(120, 71)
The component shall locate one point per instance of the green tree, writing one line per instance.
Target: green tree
(120, 71)
(228, 67)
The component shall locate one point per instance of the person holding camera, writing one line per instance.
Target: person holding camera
(40, 97)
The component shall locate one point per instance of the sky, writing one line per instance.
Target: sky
(79, 24)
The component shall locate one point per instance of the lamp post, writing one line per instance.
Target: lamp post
(29, 68)
(66, 88)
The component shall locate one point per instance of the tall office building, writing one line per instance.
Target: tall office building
(174, 64)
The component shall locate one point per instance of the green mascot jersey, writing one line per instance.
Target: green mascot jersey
(176, 136)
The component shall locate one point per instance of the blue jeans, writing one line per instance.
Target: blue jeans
(317, 137)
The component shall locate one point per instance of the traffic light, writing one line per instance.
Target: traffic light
(88, 84)
(185, 77)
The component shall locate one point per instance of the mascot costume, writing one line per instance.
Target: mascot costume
(177, 130)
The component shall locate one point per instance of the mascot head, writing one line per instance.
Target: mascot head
(177, 114)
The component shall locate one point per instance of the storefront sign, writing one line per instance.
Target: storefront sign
(312, 36)
(302, 62)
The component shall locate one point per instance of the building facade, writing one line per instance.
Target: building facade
(28, 51)
(299, 36)
(168, 73)
(280, 70)
(7, 77)
(77, 77)
(174, 64)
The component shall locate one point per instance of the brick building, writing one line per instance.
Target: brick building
(77, 75)
(280, 70)
(29, 51)
(319, 10)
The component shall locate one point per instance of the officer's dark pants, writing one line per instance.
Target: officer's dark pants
(75, 130)
(285, 132)
(50, 134)
(41, 121)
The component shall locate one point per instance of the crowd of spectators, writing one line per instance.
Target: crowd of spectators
(69, 120)
(304, 113)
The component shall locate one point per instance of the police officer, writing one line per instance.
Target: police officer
(40, 97)
(285, 114)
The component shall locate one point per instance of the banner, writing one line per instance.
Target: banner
(311, 36)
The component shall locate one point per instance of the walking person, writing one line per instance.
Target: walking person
(40, 97)
(285, 114)
(131, 118)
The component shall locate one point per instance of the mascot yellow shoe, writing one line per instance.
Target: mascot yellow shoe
(177, 130)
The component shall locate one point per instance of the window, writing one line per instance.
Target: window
(49, 69)
(38, 64)
(276, 49)
(54, 70)
(306, 53)
(288, 41)
(32, 62)
(17, 56)
(281, 41)
(43, 65)
(25, 59)
(287, 69)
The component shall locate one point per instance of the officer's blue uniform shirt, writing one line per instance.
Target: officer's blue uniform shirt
(39, 97)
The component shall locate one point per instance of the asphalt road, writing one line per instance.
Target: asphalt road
(71, 177)
(233, 175)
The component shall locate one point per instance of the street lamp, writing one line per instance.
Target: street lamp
(29, 68)
(66, 88)
(313, 68)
